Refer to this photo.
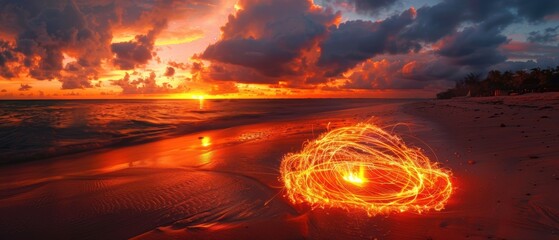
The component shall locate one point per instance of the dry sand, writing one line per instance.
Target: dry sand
(504, 152)
(223, 184)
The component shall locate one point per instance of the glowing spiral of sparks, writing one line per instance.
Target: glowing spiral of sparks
(364, 167)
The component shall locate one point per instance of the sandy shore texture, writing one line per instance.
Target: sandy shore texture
(224, 184)
(504, 152)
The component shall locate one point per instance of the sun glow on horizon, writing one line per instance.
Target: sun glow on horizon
(200, 100)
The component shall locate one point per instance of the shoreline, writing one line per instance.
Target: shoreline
(146, 131)
(111, 159)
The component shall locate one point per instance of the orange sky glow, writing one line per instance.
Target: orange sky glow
(178, 42)
(232, 49)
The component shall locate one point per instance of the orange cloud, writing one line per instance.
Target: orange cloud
(409, 68)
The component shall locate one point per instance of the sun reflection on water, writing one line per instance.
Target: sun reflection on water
(200, 101)
(206, 141)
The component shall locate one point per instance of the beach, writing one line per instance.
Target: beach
(224, 183)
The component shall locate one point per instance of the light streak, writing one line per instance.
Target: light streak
(364, 167)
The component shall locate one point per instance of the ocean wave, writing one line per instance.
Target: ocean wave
(34, 130)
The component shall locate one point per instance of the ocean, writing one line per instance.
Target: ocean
(41, 129)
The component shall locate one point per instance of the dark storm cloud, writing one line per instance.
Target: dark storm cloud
(8, 54)
(466, 34)
(268, 35)
(371, 5)
(47, 34)
(77, 76)
(355, 41)
(434, 22)
(263, 55)
(137, 52)
(367, 6)
(536, 10)
(43, 31)
(477, 45)
(549, 35)
(228, 72)
(437, 21)
(429, 25)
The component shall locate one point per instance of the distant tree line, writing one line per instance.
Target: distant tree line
(498, 83)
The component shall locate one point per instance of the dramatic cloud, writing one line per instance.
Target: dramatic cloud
(228, 72)
(474, 46)
(457, 35)
(76, 76)
(8, 60)
(137, 52)
(45, 31)
(437, 21)
(548, 36)
(364, 6)
(69, 40)
(355, 41)
(268, 36)
(415, 71)
(536, 10)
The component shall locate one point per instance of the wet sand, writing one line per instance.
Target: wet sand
(223, 184)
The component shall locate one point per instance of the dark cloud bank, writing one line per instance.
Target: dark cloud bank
(270, 41)
(37, 33)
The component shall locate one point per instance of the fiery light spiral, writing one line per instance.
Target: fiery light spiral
(364, 167)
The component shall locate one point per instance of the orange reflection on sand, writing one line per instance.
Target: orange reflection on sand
(206, 158)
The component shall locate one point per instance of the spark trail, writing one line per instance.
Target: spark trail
(365, 167)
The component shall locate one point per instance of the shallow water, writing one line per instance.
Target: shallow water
(31, 130)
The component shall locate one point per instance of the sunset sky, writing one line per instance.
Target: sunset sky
(265, 48)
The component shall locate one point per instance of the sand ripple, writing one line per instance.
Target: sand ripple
(139, 200)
